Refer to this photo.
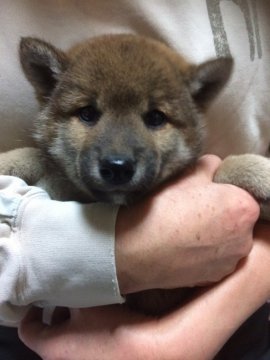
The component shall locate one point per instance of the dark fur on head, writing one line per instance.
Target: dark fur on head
(121, 113)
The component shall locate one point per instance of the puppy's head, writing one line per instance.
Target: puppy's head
(120, 114)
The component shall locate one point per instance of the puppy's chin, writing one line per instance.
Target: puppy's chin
(117, 197)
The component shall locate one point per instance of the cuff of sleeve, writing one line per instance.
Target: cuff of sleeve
(74, 262)
(102, 218)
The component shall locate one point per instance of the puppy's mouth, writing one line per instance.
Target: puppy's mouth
(119, 180)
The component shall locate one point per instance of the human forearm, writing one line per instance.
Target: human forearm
(217, 312)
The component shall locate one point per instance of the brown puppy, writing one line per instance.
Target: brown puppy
(119, 115)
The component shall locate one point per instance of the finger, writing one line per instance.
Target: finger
(208, 164)
(202, 171)
(31, 327)
(33, 315)
(35, 334)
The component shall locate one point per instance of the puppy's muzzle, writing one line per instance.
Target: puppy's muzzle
(117, 170)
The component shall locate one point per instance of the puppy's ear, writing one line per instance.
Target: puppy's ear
(42, 64)
(207, 80)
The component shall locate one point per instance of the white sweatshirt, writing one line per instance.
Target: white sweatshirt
(238, 120)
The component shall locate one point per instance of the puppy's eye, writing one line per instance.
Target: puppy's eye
(88, 114)
(155, 119)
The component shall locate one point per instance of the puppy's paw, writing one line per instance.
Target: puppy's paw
(25, 163)
(250, 172)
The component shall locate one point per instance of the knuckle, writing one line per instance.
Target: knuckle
(242, 208)
(242, 248)
(249, 207)
(247, 246)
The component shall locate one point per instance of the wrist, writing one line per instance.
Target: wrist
(131, 250)
(123, 249)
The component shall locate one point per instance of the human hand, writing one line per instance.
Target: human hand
(190, 232)
(114, 332)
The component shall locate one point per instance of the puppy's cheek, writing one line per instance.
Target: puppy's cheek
(147, 166)
(175, 160)
(84, 167)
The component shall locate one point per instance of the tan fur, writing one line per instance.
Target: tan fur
(144, 106)
(23, 162)
(250, 172)
(124, 77)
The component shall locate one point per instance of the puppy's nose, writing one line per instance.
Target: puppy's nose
(117, 170)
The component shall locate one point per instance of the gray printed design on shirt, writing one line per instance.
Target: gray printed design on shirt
(250, 14)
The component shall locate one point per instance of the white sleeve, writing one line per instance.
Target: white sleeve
(53, 253)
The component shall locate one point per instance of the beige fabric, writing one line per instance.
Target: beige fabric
(53, 253)
(238, 120)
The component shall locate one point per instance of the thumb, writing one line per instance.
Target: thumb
(208, 164)
(35, 334)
